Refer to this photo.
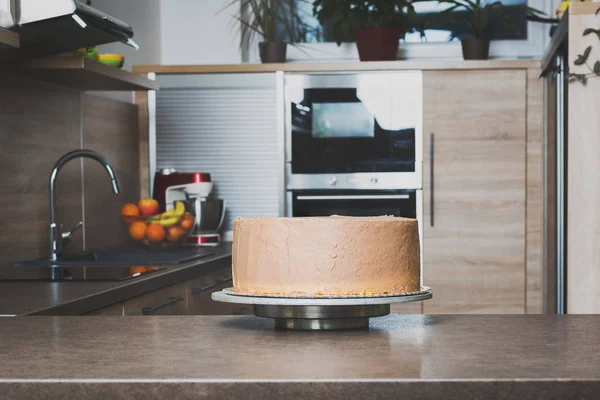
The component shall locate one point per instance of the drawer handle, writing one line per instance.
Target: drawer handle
(203, 288)
(172, 300)
(224, 279)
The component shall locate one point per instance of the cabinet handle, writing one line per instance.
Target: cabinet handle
(431, 183)
(203, 288)
(172, 300)
(224, 279)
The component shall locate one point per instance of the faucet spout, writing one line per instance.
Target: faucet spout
(55, 245)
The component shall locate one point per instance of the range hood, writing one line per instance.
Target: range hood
(56, 26)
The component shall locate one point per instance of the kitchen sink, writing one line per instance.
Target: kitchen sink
(102, 265)
(27, 272)
(137, 257)
(143, 258)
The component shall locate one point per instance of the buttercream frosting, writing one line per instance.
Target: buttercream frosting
(326, 255)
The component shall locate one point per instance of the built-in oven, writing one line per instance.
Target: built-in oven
(353, 131)
(406, 203)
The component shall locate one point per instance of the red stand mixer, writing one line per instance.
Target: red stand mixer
(193, 189)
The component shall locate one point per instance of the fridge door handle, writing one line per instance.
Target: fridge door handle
(431, 180)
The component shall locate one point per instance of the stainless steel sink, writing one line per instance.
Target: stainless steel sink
(26, 272)
(103, 265)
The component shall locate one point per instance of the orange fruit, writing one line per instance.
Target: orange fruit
(187, 223)
(137, 230)
(130, 210)
(148, 206)
(175, 233)
(155, 233)
(137, 270)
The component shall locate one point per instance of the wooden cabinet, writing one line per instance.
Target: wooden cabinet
(191, 297)
(200, 289)
(170, 300)
(474, 190)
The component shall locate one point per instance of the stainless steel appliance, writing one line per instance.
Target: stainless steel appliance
(194, 190)
(354, 131)
(51, 27)
(210, 214)
(406, 203)
(354, 144)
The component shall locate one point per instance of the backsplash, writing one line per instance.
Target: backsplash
(40, 122)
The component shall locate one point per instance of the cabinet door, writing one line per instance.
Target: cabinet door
(474, 208)
(170, 300)
(199, 295)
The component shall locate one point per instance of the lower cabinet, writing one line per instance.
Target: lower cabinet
(191, 297)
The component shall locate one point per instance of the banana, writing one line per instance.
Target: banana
(179, 208)
(170, 217)
(168, 222)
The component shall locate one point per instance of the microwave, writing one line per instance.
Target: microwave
(355, 131)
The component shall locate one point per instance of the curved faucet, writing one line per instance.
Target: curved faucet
(55, 245)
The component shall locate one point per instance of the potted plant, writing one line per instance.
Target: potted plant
(376, 25)
(475, 15)
(275, 21)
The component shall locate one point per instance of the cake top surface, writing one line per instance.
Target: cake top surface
(380, 218)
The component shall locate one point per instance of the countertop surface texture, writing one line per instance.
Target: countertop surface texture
(225, 357)
(80, 297)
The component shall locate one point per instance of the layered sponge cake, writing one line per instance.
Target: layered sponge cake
(326, 256)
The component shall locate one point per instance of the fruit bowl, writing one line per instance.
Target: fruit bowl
(155, 231)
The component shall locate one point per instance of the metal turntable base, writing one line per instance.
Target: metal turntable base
(320, 313)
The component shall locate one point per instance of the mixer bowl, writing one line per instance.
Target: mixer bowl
(209, 214)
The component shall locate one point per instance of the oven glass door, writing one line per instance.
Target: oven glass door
(398, 203)
(353, 124)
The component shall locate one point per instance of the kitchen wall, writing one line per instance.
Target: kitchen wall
(195, 32)
(144, 16)
(188, 31)
(38, 123)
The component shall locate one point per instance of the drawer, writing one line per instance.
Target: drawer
(166, 301)
(115, 309)
(199, 295)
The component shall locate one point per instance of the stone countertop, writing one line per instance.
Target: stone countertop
(231, 357)
(80, 297)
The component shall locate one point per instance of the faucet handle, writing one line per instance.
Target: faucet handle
(66, 236)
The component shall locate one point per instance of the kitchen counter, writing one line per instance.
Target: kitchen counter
(80, 297)
(416, 64)
(231, 357)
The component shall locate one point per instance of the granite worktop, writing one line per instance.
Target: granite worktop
(80, 297)
(235, 357)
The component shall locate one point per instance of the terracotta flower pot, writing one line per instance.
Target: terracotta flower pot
(377, 44)
(475, 49)
(272, 52)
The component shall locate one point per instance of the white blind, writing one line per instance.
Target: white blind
(230, 133)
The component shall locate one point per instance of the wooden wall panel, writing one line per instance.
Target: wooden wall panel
(583, 160)
(110, 128)
(141, 99)
(535, 208)
(38, 123)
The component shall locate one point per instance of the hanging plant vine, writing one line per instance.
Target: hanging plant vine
(582, 59)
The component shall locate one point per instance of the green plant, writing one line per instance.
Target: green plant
(346, 16)
(476, 15)
(583, 58)
(273, 20)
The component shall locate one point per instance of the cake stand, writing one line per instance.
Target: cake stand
(320, 313)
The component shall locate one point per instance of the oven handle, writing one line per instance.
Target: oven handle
(357, 197)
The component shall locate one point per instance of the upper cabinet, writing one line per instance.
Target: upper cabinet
(474, 190)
